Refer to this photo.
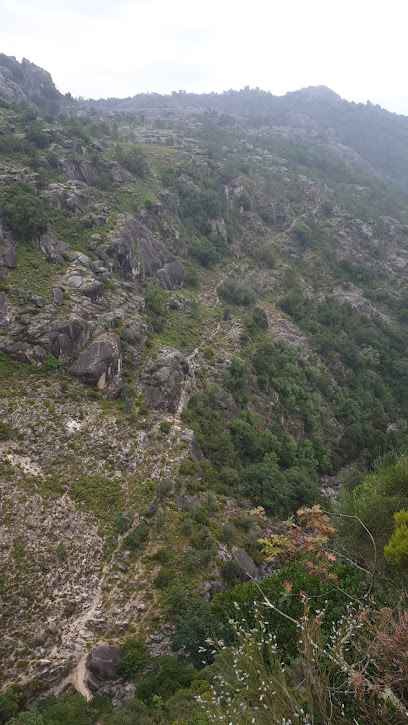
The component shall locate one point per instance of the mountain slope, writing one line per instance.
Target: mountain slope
(199, 315)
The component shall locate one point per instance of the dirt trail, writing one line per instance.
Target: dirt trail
(78, 675)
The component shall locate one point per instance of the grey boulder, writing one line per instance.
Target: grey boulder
(101, 662)
(133, 252)
(163, 379)
(100, 362)
(245, 562)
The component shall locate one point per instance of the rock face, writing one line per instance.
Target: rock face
(49, 244)
(28, 82)
(10, 257)
(101, 662)
(163, 379)
(132, 251)
(245, 562)
(100, 362)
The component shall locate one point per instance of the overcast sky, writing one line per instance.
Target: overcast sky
(102, 48)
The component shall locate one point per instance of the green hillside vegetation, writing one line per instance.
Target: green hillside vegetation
(225, 498)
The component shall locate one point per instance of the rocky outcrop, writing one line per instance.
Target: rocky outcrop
(28, 82)
(49, 244)
(101, 662)
(246, 564)
(83, 171)
(101, 362)
(10, 257)
(163, 379)
(65, 337)
(118, 690)
(134, 253)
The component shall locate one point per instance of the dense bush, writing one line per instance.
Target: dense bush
(133, 159)
(235, 292)
(135, 540)
(135, 657)
(23, 211)
(164, 679)
(193, 629)
(375, 501)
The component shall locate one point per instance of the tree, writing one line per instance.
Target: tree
(23, 212)
(192, 631)
(396, 551)
(237, 373)
(135, 657)
(267, 486)
(134, 160)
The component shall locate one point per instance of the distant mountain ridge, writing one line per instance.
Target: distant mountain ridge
(379, 137)
(364, 135)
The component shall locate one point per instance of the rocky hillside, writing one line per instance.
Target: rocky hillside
(199, 316)
(27, 83)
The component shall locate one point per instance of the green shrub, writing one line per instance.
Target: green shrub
(164, 578)
(135, 657)
(164, 679)
(396, 551)
(230, 572)
(381, 495)
(135, 540)
(23, 211)
(229, 532)
(6, 431)
(133, 159)
(193, 629)
(164, 489)
(235, 292)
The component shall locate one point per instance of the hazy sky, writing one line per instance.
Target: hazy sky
(101, 48)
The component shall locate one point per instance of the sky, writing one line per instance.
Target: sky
(105, 48)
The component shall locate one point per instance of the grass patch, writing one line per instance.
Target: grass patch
(35, 269)
(102, 496)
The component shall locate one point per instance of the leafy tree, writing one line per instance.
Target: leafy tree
(23, 212)
(133, 159)
(9, 703)
(266, 485)
(259, 320)
(235, 292)
(396, 551)
(244, 439)
(193, 629)
(237, 373)
(133, 712)
(135, 657)
(32, 717)
(164, 679)
(375, 502)
(66, 709)
(135, 540)
(303, 233)
(230, 572)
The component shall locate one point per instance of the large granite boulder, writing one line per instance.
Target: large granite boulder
(163, 379)
(10, 257)
(247, 567)
(133, 252)
(54, 196)
(5, 315)
(82, 171)
(49, 244)
(101, 662)
(100, 362)
(66, 336)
